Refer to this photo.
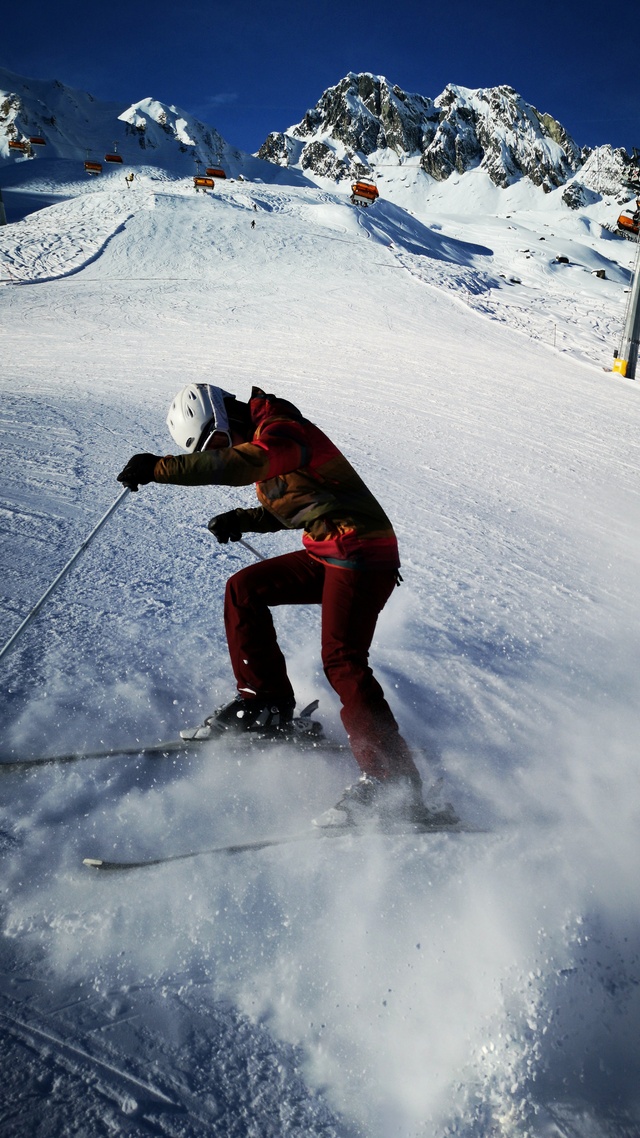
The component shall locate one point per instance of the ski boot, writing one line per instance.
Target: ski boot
(262, 717)
(383, 805)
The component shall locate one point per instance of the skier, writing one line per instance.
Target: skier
(349, 565)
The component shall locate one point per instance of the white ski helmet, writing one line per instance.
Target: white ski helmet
(197, 409)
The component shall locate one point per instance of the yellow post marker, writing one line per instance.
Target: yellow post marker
(626, 358)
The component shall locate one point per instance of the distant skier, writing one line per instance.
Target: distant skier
(349, 565)
(253, 223)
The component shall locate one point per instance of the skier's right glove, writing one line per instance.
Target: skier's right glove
(226, 527)
(138, 471)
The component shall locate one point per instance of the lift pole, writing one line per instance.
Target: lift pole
(626, 358)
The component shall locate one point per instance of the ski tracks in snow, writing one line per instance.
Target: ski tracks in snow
(143, 1061)
(62, 239)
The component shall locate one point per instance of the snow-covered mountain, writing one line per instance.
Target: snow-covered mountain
(364, 124)
(605, 172)
(76, 127)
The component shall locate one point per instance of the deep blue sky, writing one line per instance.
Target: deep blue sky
(249, 68)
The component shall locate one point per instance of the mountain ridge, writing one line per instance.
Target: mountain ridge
(76, 127)
(364, 122)
(361, 125)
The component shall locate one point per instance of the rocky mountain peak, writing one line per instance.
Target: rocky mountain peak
(606, 172)
(364, 117)
(359, 117)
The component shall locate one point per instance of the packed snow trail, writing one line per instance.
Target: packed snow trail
(480, 983)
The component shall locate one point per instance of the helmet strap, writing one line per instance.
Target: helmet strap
(207, 439)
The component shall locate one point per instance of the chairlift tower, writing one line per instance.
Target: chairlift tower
(626, 357)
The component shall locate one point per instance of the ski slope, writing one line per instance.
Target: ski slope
(477, 984)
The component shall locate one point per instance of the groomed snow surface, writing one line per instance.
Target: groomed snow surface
(480, 984)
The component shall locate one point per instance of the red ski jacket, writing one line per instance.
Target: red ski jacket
(302, 482)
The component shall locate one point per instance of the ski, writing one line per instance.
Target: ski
(168, 746)
(172, 747)
(416, 830)
(307, 735)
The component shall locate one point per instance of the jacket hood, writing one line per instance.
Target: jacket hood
(263, 406)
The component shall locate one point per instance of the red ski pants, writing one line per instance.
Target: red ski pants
(351, 602)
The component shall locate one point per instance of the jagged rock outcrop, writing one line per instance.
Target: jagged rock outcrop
(498, 131)
(359, 117)
(367, 115)
(609, 171)
(363, 117)
(605, 172)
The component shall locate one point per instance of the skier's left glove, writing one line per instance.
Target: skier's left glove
(138, 471)
(226, 527)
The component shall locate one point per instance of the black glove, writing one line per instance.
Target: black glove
(226, 527)
(138, 471)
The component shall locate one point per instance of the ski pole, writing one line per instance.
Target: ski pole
(63, 573)
(251, 549)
